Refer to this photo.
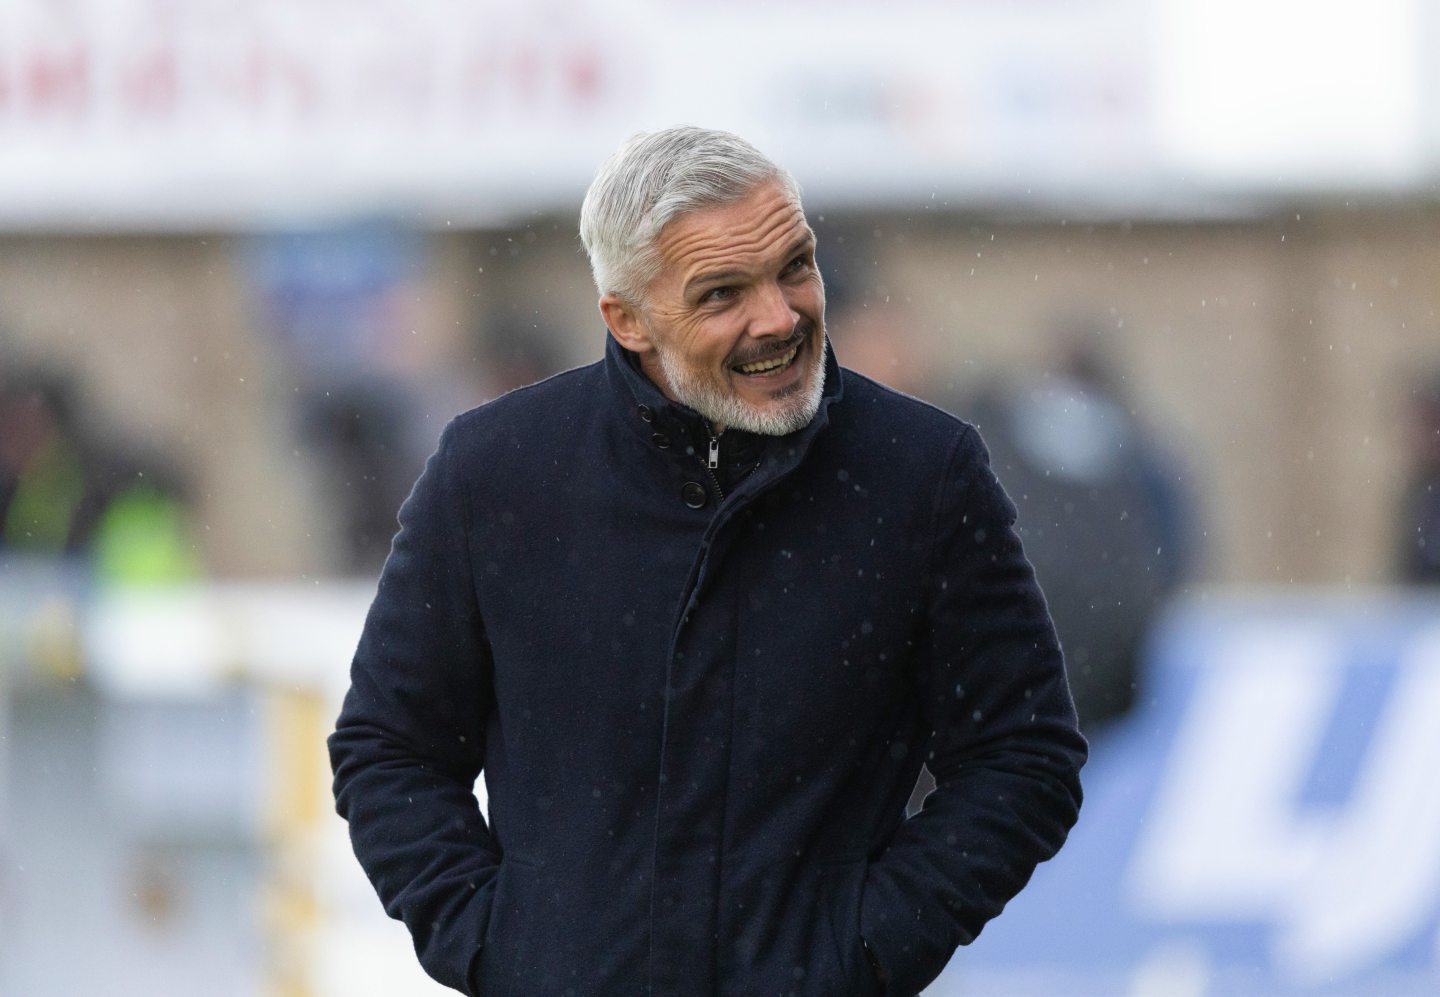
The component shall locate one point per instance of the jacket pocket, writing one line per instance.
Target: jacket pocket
(501, 952)
(843, 884)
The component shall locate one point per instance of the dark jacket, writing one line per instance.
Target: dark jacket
(699, 718)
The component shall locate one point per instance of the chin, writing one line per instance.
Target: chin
(787, 409)
(777, 413)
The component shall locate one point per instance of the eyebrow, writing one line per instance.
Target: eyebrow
(806, 243)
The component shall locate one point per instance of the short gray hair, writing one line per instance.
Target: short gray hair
(650, 179)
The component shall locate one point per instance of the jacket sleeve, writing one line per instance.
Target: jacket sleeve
(410, 739)
(1005, 747)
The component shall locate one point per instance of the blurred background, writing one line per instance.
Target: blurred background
(1179, 259)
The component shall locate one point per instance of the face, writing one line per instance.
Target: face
(734, 325)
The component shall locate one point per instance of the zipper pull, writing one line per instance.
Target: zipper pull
(714, 452)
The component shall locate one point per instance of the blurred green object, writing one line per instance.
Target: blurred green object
(46, 499)
(142, 539)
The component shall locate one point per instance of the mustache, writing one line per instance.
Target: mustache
(803, 329)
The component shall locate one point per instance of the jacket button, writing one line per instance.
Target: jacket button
(694, 494)
(661, 440)
(645, 413)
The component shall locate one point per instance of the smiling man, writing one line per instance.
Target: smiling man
(699, 613)
(732, 325)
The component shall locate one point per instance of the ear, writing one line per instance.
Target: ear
(623, 321)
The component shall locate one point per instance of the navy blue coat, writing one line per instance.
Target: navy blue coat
(699, 726)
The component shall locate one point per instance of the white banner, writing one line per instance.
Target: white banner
(153, 113)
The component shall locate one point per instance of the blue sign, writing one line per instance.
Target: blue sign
(1267, 822)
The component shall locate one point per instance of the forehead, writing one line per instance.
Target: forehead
(749, 232)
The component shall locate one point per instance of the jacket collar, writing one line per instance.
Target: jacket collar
(647, 411)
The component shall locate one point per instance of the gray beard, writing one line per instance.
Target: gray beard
(795, 412)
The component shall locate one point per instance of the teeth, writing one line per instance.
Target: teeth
(759, 366)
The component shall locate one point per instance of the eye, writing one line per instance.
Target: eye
(799, 264)
(717, 294)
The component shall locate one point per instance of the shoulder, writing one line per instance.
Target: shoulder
(915, 451)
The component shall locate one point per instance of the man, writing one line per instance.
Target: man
(700, 612)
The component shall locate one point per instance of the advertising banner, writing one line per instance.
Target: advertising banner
(1266, 823)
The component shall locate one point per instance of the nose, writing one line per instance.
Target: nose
(772, 314)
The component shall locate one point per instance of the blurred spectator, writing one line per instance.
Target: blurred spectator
(360, 427)
(1102, 516)
(1101, 511)
(339, 304)
(64, 492)
(1418, 561)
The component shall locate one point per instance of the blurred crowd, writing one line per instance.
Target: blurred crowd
(1109, 509)
(68, 489)
(1116, 507)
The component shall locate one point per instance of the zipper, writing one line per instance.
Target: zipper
(713, 461)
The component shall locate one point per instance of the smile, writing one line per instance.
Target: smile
(770, 365)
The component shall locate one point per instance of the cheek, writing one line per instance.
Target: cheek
(707, 344)
(808, 299)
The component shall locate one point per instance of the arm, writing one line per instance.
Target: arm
(410, 739)
(1006, 751)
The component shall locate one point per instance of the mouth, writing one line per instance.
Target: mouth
(775, 363)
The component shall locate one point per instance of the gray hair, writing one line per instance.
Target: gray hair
(650, 179)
